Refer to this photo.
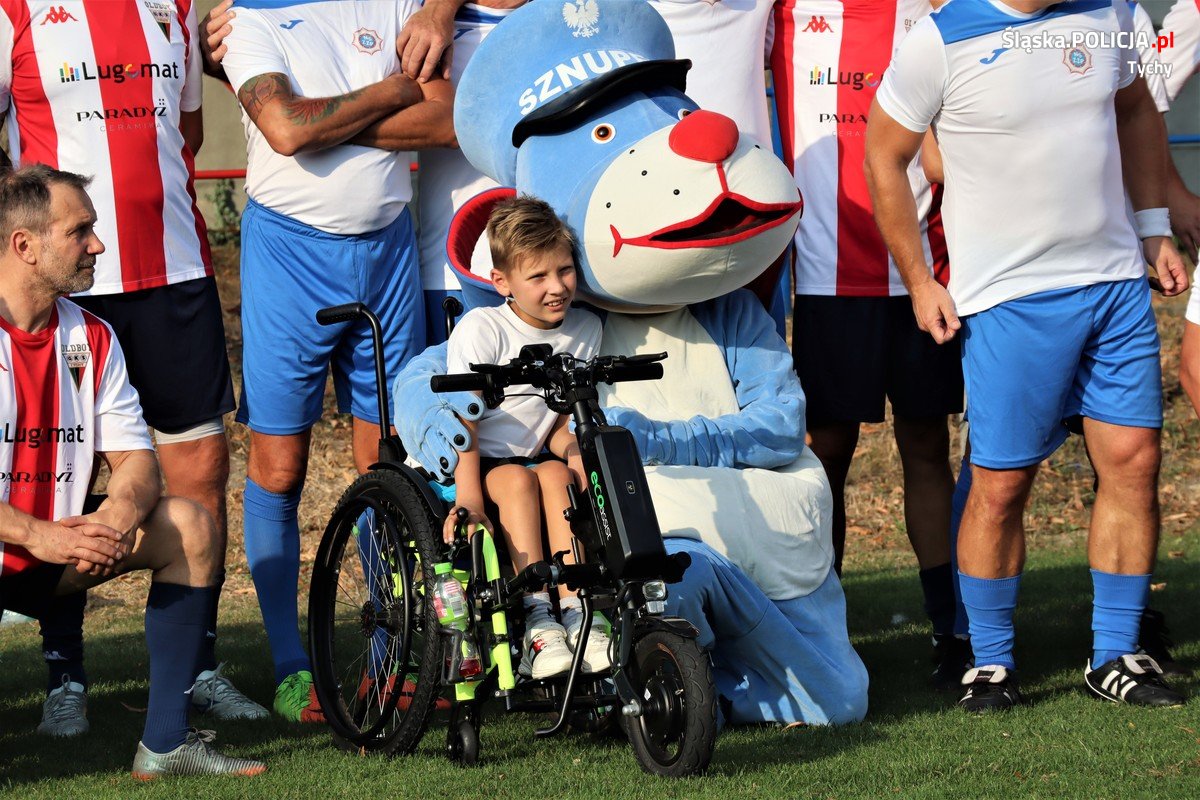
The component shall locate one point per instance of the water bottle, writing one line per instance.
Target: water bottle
(450, 603)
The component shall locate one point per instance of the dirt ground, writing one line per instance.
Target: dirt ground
(1057, 515)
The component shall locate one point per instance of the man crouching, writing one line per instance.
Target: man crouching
(65, 398)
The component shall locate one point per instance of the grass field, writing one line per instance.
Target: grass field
(913, 744)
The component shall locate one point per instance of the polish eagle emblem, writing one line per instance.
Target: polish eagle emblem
(582, 16)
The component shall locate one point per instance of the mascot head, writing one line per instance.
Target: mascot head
(581, 104)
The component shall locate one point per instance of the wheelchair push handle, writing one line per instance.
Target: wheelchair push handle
(342, 313)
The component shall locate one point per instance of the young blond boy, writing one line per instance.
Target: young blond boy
(533, 257)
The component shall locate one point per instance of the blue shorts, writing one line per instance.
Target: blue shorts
(289, 271)
(1031, 364)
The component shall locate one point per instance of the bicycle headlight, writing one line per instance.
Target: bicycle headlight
(654, 591)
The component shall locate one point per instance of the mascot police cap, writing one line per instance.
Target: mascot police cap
(550, 62)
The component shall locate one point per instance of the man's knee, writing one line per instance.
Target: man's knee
(1131, 460)
(1000, 493)
(195, 532)
(923, 441)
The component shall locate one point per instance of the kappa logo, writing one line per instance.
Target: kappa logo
(367, 41)
(1078, 60)
(57, 15)
(583, 17)
(817, 25)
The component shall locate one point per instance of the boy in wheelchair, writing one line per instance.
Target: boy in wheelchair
(533, 257)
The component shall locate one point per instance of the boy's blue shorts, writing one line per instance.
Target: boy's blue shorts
(1034, 362)
(289, 271)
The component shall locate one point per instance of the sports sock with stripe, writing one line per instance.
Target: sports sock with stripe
(990, 603)
(272, 540)
(1117, 605)
(62, 640)
(175, 628)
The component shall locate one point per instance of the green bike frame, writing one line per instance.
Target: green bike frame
(501, 655)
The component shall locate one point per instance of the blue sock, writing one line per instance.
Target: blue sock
(962, 488)
(62, 640)
(990, 604)
(176, 619)
(272, 541)
(1117, 605)
(938, 587)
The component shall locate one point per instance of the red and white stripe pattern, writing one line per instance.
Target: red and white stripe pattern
(97, 87)
(827, 60)
(64, 395)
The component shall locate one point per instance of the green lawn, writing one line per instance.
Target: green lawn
(914, 744)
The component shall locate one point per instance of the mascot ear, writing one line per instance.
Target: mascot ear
(466, 231)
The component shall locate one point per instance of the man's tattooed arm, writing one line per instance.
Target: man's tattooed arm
(294, 124)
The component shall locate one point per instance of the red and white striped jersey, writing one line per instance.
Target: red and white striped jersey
(96, 87)
(827, 60)
(64, 396)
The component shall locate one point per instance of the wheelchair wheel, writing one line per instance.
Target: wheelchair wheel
(373, 638)
(676, 732)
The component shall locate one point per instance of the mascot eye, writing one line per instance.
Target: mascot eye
(603, 133)
(683, 112)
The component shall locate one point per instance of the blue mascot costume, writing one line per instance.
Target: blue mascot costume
(581, 104)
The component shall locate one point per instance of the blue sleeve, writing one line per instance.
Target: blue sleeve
(430, 424)
(767, 431)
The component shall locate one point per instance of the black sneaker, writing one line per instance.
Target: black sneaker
(991, 688)
(1135, 679)
(1153, 641)
(952, 657)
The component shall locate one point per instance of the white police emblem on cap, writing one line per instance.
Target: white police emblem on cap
(582, 16)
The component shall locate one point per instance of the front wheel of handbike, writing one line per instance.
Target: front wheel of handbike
(676, 732)
(373, 638)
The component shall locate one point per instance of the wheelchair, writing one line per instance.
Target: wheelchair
(381, 661)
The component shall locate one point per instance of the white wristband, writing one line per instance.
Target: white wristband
(1152, 222)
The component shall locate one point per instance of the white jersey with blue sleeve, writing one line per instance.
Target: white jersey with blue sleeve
(1023, 106)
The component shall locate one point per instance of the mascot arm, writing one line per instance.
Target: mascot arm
(430, 424)
(767, 431)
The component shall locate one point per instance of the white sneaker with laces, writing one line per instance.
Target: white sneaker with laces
(546, 653)
(213, 693)
(65, 711)
(596, 656)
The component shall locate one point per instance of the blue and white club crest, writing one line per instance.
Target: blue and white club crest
(367, 41)
(582, 16)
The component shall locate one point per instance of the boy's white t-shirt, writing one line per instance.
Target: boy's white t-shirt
(520, 425)
(1193, 307)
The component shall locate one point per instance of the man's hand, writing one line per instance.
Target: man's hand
(474, 517)
(212, 43)
(93, 548)
(934, 310)
(1162, 256)
(1185, 219)
(426, 39)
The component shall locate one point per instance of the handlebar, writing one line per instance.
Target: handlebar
(459, 382)
(342, 313)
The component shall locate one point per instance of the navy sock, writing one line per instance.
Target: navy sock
(962, 488)
(1117, 605)
(272, 540)
(175, 628)
(938, 586)
(208, 653)
(990, 604)
(62, 640)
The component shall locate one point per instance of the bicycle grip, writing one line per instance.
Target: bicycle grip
(342, 313)
(460, 382)
(633, 372)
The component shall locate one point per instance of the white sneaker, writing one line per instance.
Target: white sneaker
(546, 653)
(213, 693)
(596, 656)
(65, 711)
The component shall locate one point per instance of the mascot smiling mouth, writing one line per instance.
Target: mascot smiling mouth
(729, 218)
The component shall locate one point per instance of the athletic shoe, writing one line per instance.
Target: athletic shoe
(403, 701)
(953, 657)
(65, 711)
(193, 757)
(546, 653)
(213, 693)
(1135, 679)
(595, 655)
(296, 699)
(1154, 642)
(989, 688)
